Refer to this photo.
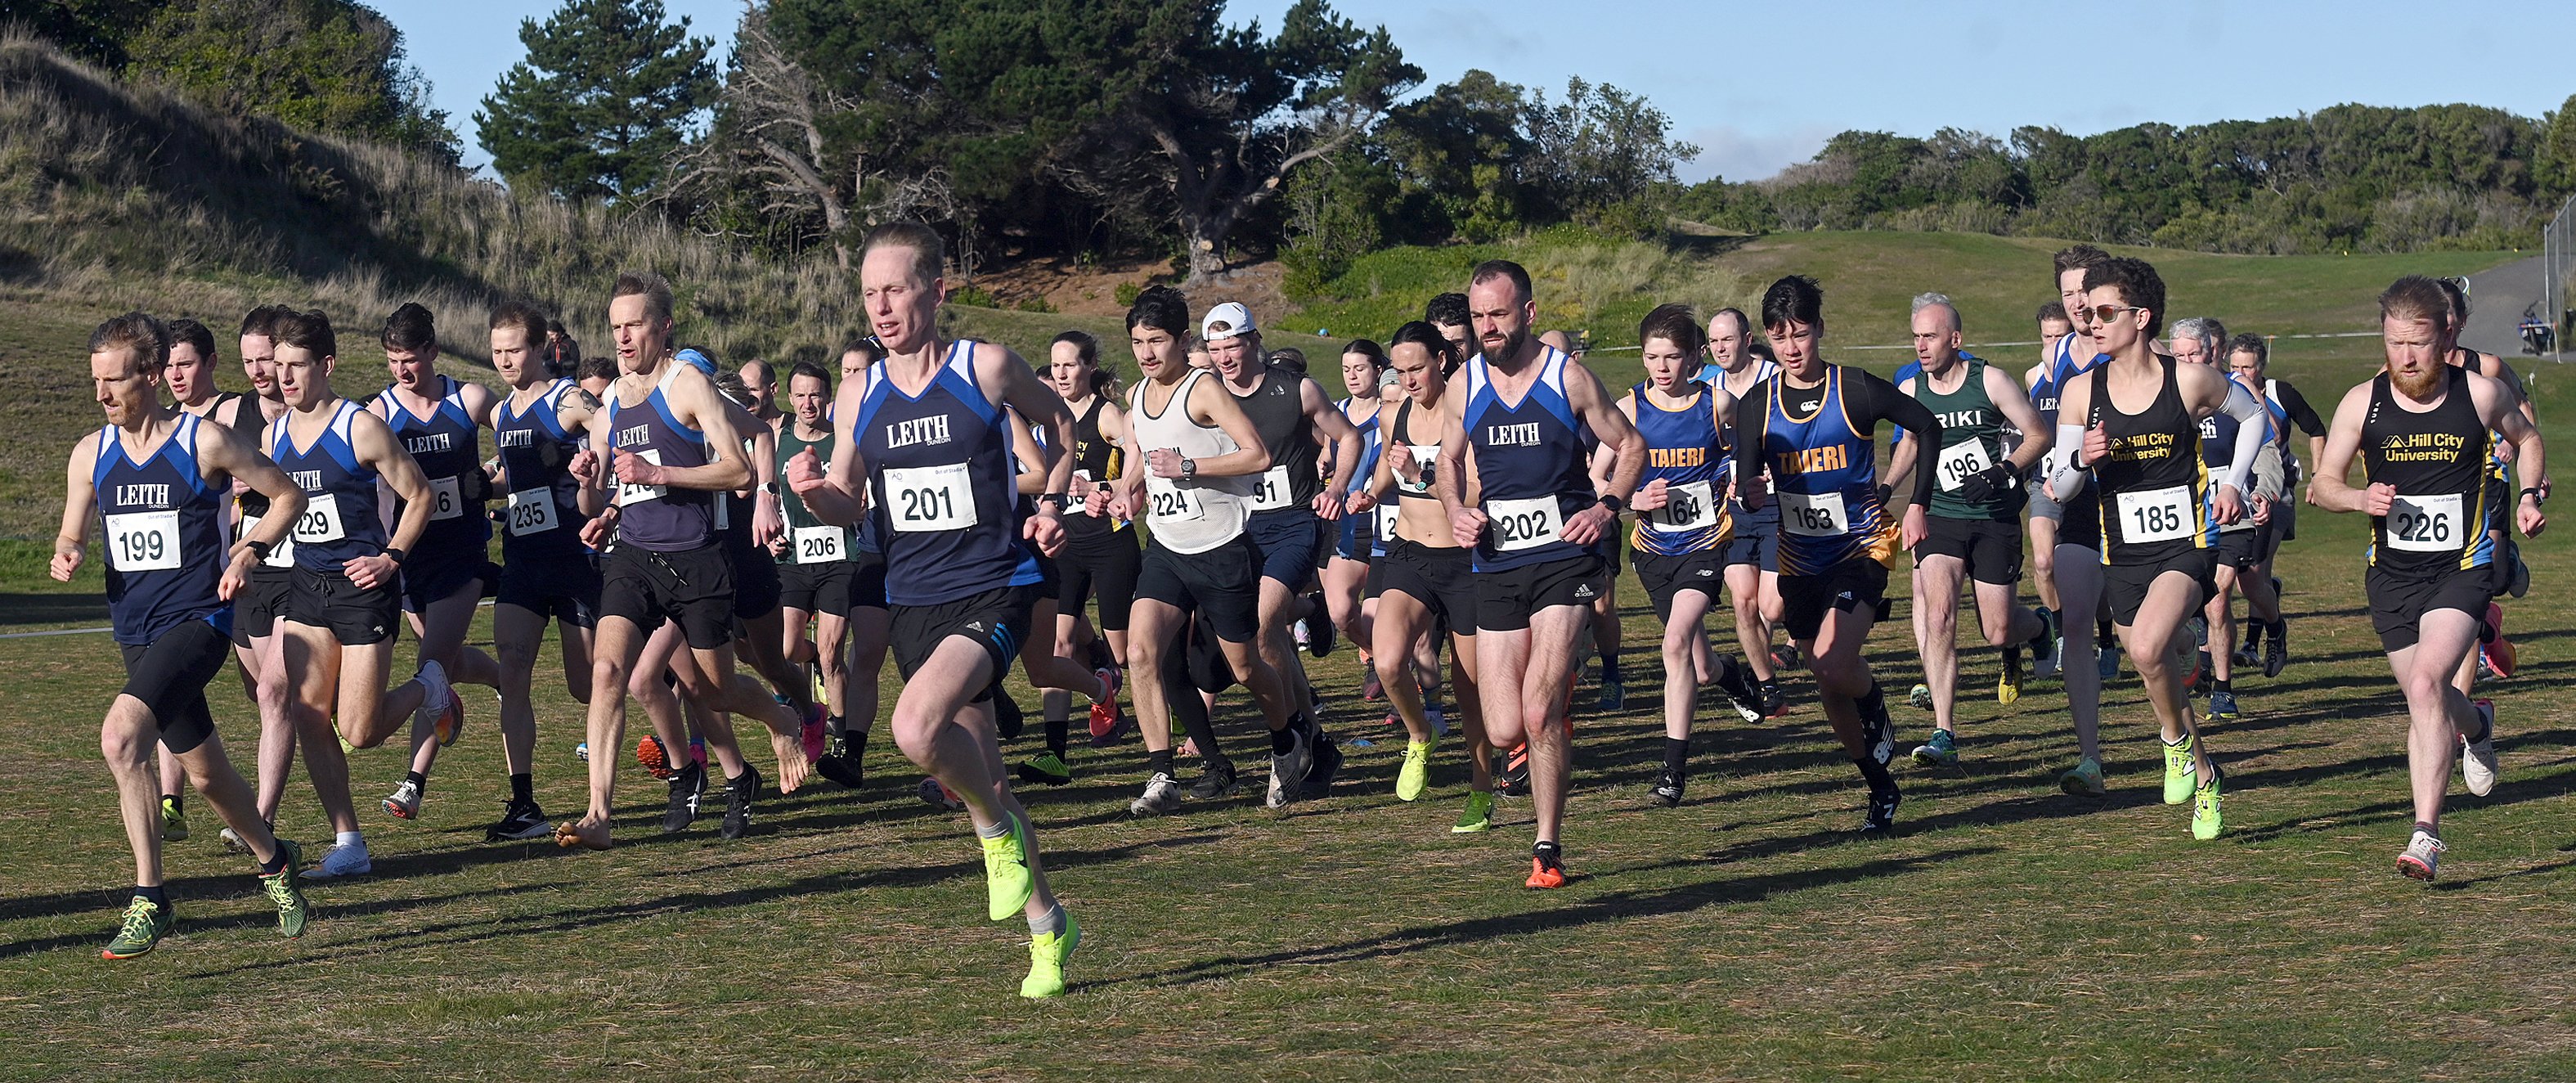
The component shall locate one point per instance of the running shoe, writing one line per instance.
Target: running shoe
(2008, 681)
(1881, 814)
(2276, 648)
(1919, 697)
(1614, 696)
(581, 751)
(2205, 821)
(1328, 767)
(1320, 631)
(1668, 788)
(814, 675)
(1288, 769)
(2518, 579)
(1479, 815)
(1942, 750)
(1774, 704)
(2498, 652)
(686, 787)
(1878, 734)
(1394, 718)
(1371, 688)
(439, 708)
(1736, 680)
(520, 820)
(2222, 705)
(285, 894)
(404, 802)
(740, 792)
(2179, 771)
(2084, 778)
(817, 733)
(2249, 650)
(1215, 783)
(234, 843)
(844, 764)
(1297, 631)
(2478, 754)
(174, 823)
(937, 796)
(2107, 662)
(1547, 866)
(1007, 883)
(650, 754)
(1162, 796)
(1784, 656)
(146, 922)
(1416, 771)
(2422, 854)
(1047, 953)
(1007, 719)
(1513, 779)
(347, 859)
(2045, 646)
(1047, 769)
(1106, 719)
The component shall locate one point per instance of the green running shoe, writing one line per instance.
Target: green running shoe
(2084, 778)
(1479, 815)
(282, 890)
(1942, 750)
(146, 922)
(2178, 772)
(2204, 807)
(1919, 697)
(1410, 778)
(1007, 883)
(1047, 769)
(1047, 953)
(174, 823)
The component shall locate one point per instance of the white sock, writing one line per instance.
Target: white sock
(350, 838)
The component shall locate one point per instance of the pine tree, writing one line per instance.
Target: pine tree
(603, 100)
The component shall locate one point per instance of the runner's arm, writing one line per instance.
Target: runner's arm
(1881, 401)
(2331, 488)
(1901, 452)
(221, 454)
(1339, 435)
(1756, 403)
(1038, 406)
(80, 505)
(372, 441)
(835, 494)
(1211, 404)
(2014, 404)
(2501, 415)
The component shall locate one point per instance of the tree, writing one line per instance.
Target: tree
(602, 102)
(1463, 147)
(1602, 150)
(769, 132)
(326, 65)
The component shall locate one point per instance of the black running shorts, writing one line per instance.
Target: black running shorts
(433, 576)
(261, 603)
(356, 616)
(1665, 576)
(996, 620)
(2124, 586)
(1991, 548)
(1289, 539)
(2398, 602)
(563, 587)
(1505, 599)
(820, 587)
(1100, 566)
(691, 586)
(1805, 599)
(1222, 586)
(1441, 579)
(169, 676)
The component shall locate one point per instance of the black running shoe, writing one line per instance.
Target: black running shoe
(1774, 704)
(2276, 650)
(1785, 656)
(686, 787)
(1006, 715)
(1319, 627)
(739, 794)
(842, 764)
(1214, 783)
(1737, 682)
(1328, 765)
(1668, 789)
(1882, 810)
(1513, 779)
(521, 820)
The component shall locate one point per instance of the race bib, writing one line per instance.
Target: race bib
(1166, 501)
(1386, 516)
(1270, 490)
(281, 555)
(143, 541)
(446, 501)
(321, 520)
(1081, 507)
(1688, 506)
(1814, 515)
(628, 494)
(1428, 460)
(926, 498)
(532, 511)
(2425, 524)
(2156, 515)
(821, 544)
(1960, 460)
(1524, 524)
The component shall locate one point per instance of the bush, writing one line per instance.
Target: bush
(1034, 304)
(976, 296)
(1127, 293)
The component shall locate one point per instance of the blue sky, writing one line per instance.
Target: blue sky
(1760, 86)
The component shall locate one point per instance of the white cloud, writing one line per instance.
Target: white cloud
(1738, 155)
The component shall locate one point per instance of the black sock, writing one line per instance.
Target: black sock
(2102, 633)
(1158, 763)
(178, 802)
(1873, 703)
(836, 725)
(1284, 739)
(416, 779)
(2219, 684)
(1610, 667)
(1876, 773)
(521, 791)
(159, 897)
(1058, 731)
(276, 862)
(2428, 829)
(1677, 755)
(2012, 656)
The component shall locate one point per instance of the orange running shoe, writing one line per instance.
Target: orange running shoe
(2498, 652)
(657, 763)
(1547, 866)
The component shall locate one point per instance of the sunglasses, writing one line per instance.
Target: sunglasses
(2108, 313)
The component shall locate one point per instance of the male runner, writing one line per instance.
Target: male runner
(546, 572)
(1517, 431)
(438, 420)
(2513, 577)
(2423, 431)
(1810, 430)
(761, 380)
(261, 602)
(2267, 634)
(2241, 544)
(1753, 556)
(871, 627)
(2071, 356)
(674, 444)
(2160, 510)
(817, 561)
(1447, 312)
(1970, 531)
(156, 480)
(191, 379)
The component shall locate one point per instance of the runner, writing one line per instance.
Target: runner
(674, 445)
(1517, 433)
(871, 627)
(2159, 509)
(817, 561)
(341, 611)
(2241, 544)
(1199, 454)
(1682, 528)
(2055, 326)
(1101, 555)
(1448, 313)
(1812, 426)
(1753, 556)
(153, 480)
(923, 429)
(1970, 533)
(2513, 577)
(761, 381)
(2268, 630)
(438, 419)
(546, 573)
(1424, 581)
(259, 603)
(1346, 569)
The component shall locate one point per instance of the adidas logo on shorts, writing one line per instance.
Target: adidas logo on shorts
(1583, 591)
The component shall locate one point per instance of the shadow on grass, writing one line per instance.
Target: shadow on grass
(52, 608)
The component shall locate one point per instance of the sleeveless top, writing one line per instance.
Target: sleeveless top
(1824, 474)
(341, 521)
(1683, 450)
(162, 526)
(1097, 459)
(1746, 522)
(1278, 412)
(1354, 528)
(1531, 459)
(945, 485)
(658, 517)
(543, 517)
(1971, 440)
(1426, 458)
(2154, 485)
(2440, 461)
(445, 446)
(810, 540)
(2046, 392)
(1187, 515)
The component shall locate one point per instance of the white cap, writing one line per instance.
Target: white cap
(1225, 321)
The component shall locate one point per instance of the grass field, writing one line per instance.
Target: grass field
(2006, 931)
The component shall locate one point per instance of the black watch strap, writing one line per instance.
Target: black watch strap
(397, 555)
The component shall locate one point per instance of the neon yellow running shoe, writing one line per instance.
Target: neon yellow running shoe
(174, 823)
(2178, 771)
(1006, 872)
(283, 891)
(2204, 807)
(1047, 953)
(146, 922)
(1416, 772)
(1479, 815)
(2008, 682)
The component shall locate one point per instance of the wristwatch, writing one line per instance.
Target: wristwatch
(396, 555)
(1189, 467)
(1613, 503)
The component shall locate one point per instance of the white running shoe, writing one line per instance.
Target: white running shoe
(1288, 772)
(405, 800)
(435, 695)
(2478, 757)
(2423, 853)
(348, 860)
(233, 843)
(1162, 796)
